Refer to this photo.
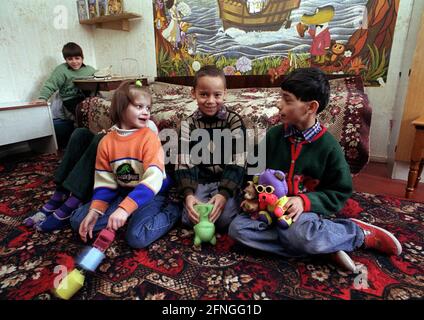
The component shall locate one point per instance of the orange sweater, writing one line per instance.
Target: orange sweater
(136, 162)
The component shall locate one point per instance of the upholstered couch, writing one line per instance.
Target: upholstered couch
(347, 116)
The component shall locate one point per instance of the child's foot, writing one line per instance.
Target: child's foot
(342, 259)
(36, 218)
(54, 203)
(379, 239)
(60, 218)
(53, 222)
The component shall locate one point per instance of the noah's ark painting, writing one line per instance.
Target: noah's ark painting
(272, 37)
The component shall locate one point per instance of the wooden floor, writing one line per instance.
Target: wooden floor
(374, 178)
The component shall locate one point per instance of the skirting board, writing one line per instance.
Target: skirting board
(378, 159)
(401, 170)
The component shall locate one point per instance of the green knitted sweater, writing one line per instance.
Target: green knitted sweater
(62, 79)
(316, 171)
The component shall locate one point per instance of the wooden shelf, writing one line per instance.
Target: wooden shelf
(114, 22)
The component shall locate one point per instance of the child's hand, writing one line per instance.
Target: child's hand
(218, 202)
(294, 207)
(117, 219)
(190, 201)
(87, 225)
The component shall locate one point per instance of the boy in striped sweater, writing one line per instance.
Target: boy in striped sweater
(214, 176)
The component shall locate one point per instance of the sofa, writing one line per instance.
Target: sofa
(347, 116)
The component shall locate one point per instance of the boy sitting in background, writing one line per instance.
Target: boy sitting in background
(63, 75)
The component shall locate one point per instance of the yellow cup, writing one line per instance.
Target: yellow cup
(69, 285)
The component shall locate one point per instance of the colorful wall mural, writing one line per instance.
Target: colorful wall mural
(257, 37)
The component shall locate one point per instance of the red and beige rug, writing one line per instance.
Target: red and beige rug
(172, 268)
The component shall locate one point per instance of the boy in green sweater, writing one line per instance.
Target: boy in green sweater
(304, 149)
(63, 75)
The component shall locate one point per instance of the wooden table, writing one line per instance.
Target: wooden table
(96, 85)
(417, 157)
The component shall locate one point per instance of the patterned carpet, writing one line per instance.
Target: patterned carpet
(172, 269)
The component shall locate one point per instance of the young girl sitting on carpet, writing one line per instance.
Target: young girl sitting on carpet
(74, 179)
(75, 175)
(130, 180)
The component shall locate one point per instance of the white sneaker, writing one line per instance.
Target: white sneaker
(342, 259)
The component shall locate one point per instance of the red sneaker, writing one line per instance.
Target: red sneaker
(379, 239)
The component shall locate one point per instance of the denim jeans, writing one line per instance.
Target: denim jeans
(309, 235)
(206, 191)
(145, 225)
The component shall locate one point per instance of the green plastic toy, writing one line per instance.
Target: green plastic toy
(204, 231)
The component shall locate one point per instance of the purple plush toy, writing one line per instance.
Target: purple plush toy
(272, 189)
(276, 179)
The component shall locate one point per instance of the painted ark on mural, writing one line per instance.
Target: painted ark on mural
(257, 37)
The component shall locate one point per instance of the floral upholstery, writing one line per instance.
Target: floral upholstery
(347, 116)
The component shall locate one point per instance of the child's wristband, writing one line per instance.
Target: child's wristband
(97, 211)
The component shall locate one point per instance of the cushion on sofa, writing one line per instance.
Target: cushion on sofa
(347, 116)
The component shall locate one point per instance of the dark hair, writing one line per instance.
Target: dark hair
(211, 71)
(169, 4)
(308, 84)
(71, 49)
(127, 92)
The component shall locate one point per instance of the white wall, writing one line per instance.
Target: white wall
(383, 99)
(399, 169)
(112, 46)
(32, 46)
(32, 34)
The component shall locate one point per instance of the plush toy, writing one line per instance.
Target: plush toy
(250, 203)
(204, 231)
(272, 189)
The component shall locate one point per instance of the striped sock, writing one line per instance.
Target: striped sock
(55, 201)
(60, 218)
(66, 209)
(58, 198)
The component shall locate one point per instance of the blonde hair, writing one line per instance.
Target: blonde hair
(127, 92)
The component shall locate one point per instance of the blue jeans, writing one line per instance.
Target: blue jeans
(309, 235)
(206, 191)
(145, 225)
